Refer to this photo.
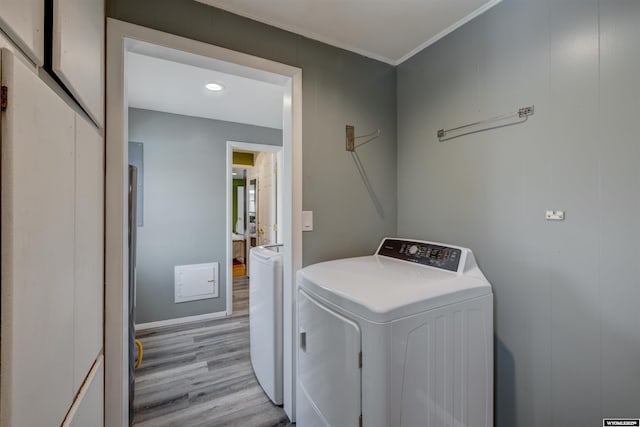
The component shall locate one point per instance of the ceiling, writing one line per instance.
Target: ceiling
(386, 30)
(162, 85)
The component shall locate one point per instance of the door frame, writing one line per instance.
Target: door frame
(123, 37)
(247, 146)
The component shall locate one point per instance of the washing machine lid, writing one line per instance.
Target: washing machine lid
(382, 288)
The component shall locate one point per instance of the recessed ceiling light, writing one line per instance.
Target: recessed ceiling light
(214, 87)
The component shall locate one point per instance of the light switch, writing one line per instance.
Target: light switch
(307, 220)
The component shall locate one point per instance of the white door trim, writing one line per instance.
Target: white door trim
(247, 146)
(123, 37)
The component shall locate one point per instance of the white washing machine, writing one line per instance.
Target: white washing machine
(265, 319)
(400, 338)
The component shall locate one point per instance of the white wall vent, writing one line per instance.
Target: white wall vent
(195, 282)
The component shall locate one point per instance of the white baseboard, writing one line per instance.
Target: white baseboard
(180, 320)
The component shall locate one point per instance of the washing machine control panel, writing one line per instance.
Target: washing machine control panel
(423, 253)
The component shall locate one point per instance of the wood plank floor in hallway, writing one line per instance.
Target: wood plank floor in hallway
(200, 375)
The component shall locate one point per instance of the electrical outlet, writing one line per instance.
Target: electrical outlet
(554, 215)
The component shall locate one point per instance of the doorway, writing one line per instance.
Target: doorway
(122, 38)
(256, 218)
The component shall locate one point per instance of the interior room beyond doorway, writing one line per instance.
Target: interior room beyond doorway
(256, 202)
(124, 43)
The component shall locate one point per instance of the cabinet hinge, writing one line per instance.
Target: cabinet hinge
(4, 98)
(360, 421)
(360, 360)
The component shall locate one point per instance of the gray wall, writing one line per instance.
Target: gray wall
(184, 204)
(566, 293)
(339, 88)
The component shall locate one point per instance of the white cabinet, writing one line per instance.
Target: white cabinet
(5, 43)
(52, 217)
(89, 231)
(78, 51)
(77, 42)
(52, 164)
(38, 185)
(23, 21)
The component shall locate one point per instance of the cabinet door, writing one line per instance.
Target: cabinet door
(88, 409)
(89, 248)
(23, 21)
(37, 251)
(5, 43)
(78, 51)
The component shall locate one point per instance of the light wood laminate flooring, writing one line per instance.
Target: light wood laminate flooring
(240, 297)
(239, 270)
(199, 374)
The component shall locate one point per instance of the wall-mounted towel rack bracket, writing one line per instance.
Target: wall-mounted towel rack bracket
(351, 138)
(525, 111)
(522, 115)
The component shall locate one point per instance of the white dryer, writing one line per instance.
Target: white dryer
(400, 338)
